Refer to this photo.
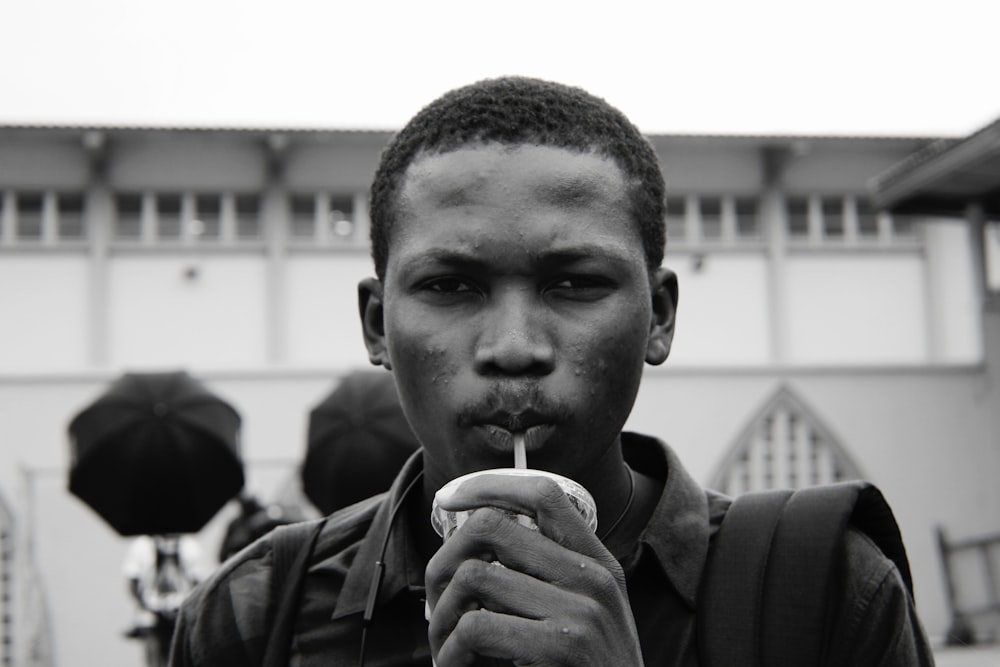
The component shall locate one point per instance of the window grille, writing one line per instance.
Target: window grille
(37, 218)
(833, 218)
(710, 218)
(747, 222)
(321, 219)
(846, 221)
(247, 212)
(784, 446)
(675, 220)
(713, 221)
(168, 219)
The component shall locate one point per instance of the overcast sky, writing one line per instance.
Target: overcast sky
(889, 67)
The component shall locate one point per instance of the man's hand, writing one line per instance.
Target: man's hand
(558, 599)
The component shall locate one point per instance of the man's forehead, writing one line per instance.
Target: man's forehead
(554, 175)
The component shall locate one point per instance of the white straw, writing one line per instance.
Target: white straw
(520, 456)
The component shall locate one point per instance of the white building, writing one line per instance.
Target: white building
(810, 325)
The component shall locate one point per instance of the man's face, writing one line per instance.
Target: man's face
(516, 299)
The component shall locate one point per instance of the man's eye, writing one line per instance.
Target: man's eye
(578, 283)
(448, 285)
(580, 288)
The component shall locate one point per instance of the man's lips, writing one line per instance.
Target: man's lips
(502, 439)
(513, 419)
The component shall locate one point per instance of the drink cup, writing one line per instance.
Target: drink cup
(446, 522)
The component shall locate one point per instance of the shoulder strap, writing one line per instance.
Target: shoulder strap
(800, 572)
(733, 582)
(291, 547)
(765, 597)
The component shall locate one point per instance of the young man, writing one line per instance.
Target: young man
(517, 236)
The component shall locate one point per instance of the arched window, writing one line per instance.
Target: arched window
(785, 445)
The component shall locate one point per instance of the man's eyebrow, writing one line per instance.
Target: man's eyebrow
(573, 192)
(447, 256)
(552, 255)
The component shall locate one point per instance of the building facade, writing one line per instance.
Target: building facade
(818, 337)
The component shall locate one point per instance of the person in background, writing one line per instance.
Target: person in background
(160, 570)
(255, 519)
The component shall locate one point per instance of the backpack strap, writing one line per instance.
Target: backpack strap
(808, 544)
(291, 548)
(733, 583)
(765, 597)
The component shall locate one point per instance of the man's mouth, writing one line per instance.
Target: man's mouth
(501, 438)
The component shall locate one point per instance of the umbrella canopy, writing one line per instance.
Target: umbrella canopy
(358, 440)
(157, 453)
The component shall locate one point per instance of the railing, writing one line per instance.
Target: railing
(970, 567)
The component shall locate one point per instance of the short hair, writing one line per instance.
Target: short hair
(520, 110)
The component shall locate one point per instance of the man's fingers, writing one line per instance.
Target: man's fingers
(480, 585)
(495, 635)
(489, 536)
(537, 496)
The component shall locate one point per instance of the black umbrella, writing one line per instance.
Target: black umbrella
(358, 440)
(157, 453)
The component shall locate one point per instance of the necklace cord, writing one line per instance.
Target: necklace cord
(625, 510)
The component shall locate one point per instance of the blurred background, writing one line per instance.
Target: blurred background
(183, 222)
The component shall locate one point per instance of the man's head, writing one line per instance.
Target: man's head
(517, 110)
(519, 290)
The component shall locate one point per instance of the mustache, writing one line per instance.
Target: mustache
(513, 407)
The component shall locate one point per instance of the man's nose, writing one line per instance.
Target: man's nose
(515, 337)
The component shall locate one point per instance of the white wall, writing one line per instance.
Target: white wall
(44, 316)
(723, 314)
(956, 335)
(162, 315)
(855, 309)
(322, 324)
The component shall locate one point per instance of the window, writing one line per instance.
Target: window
(747, 224)
(798, 217)
(710, 209)
(128, 222)
(322, 219)
(833, 217)
(713, 220)
(71, 225)
(340, 217)
(675, 219)
(41, 218)
(248, 226)
(303, 216)
(206, 225)
(845, 221)
(867, 220)
(168, 217)
(172, 218)
(30, 207)
(784, 446)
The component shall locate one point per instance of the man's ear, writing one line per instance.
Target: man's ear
(661, 326)
(372, 323)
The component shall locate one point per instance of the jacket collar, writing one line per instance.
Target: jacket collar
(403, 569)
(679, 530)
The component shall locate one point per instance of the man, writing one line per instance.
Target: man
(517, 236)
